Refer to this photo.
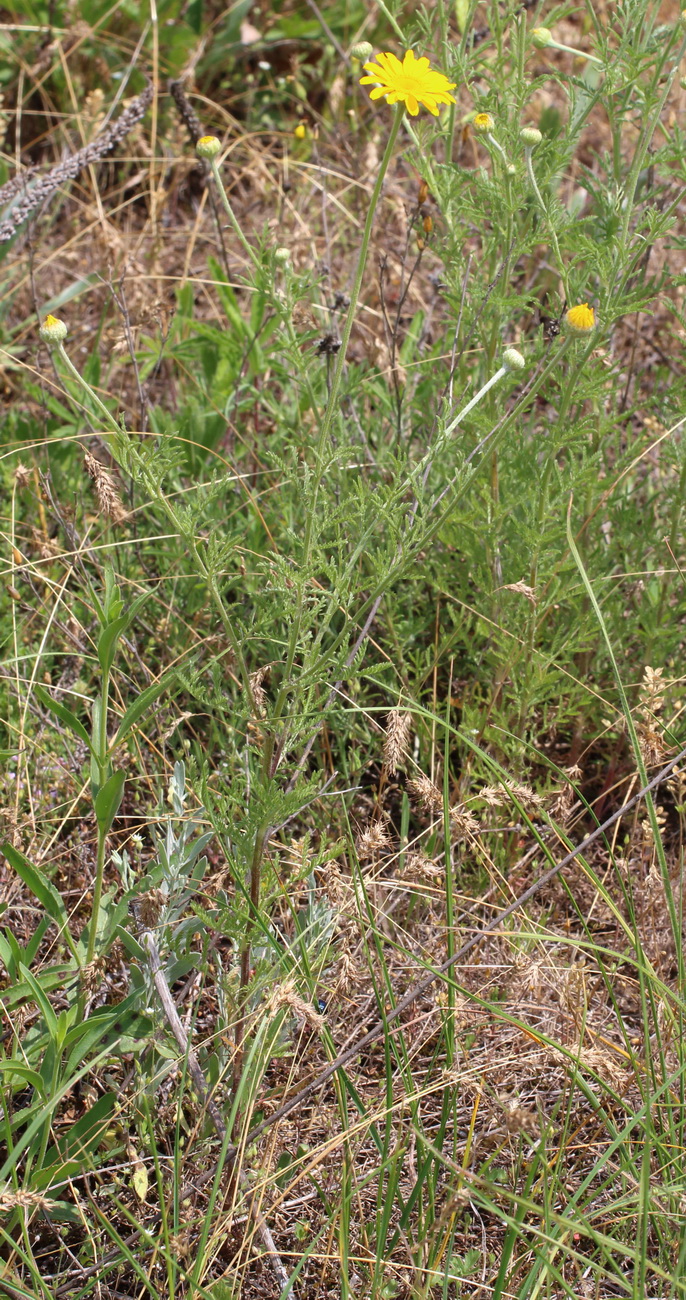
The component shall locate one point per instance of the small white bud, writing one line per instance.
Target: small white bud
(531, 136)
(513, 360)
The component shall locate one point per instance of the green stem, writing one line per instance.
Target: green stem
(332, 402)
(231, 214)
(359, 276)
(102, 760)
(548, 219)
(87, 388)
(152, 487)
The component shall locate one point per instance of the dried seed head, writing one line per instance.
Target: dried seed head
(397, 736)
(286, 996)
(372, 841)
(463, 823)
(22, 476)
(426, 792)
(258, 692)
(106, 491)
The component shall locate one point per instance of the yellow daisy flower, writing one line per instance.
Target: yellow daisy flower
(580, 319)
(412, 82)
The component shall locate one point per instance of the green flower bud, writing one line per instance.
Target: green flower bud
(541, 37)
(513, 360)
(53, 331)
(281, 256)
(362, 51)
(208, 146)
(531, 136)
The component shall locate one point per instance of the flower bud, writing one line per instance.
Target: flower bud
(362, 51)
(580, 320)
(300, 131)
(531, 136)
(541, 37)
(53, 331)
(682, 18)
(208, 147)
(482, 123)
(281, 256)
(513, 360)
(428, 224)
(423, 193)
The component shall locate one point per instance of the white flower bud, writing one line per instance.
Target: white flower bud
(513, 360)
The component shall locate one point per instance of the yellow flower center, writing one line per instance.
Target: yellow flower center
(581, 317)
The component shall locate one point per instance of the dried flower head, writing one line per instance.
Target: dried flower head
(286, 997)
(106, 490)
(463, 823)
(482, 123)
(397, 736)
(426, 792)
(53, 331)
(412, 82)
(372, 841)
(208, 147)
(258, 692)
(580, 319)
(22, 475)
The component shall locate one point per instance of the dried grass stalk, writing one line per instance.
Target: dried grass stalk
(46, 186)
